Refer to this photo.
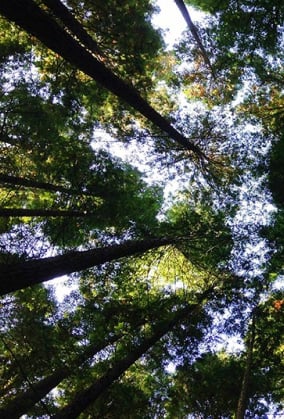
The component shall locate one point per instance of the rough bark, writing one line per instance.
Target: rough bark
(194, 32)
(88, 396)
(34, 20)
(27, 212)
(20, 275)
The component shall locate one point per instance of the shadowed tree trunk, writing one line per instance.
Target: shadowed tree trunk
(20, 275)
(30, 183)
(34, 20)
(244, 394)
(27, 212)
(84, 398)
(183, 9)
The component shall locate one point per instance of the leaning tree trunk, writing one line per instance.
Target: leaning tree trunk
(194, 32)
(30, 183)
(24, 274)
(32, 212)
(84, 398)
(38, 23)
(244, 394)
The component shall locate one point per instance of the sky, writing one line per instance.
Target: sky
(170, 19)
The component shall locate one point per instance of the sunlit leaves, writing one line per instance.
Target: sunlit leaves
(53, 124)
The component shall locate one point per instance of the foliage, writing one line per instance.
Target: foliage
(209, 387)
(148, 327)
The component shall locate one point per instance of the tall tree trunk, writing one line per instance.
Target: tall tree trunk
(34, 20)
(183, 9)
(20, 275)
(244, 394)
(27, 212)
(30, 183)
(84, 398)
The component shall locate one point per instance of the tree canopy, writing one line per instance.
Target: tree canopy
(141, 210)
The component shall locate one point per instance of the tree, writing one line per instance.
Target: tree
(111, 194)
(244, 393)
(34, 183)
(257, 36)
(83, 399)
(28, 338)
(180, 4)
(118, 322)
(69, 49)
(267, 359)
(276, 172)
(24, 401)
(219, 384)
(70, 73)
(68, 19)
(24, 212)
(209, 387)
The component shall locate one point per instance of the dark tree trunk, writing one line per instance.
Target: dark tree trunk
(38, 23)
(24, 274)
(26, 212)
(244, 394)
(88, 396)
(30, 183)
(194, 32)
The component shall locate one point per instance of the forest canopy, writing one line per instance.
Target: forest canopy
(141, 210)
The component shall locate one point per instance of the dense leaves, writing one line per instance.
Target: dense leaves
(171, 247)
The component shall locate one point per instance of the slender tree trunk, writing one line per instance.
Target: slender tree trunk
(34, 20)
(183, 9)
(27, 212)
(84, 398)
(244, 394)
(24, 274)
(23, 402)
(30, 183)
